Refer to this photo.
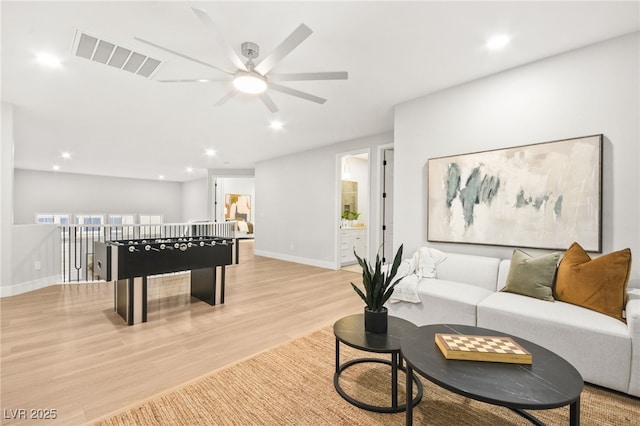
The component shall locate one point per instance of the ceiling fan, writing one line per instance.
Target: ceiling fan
(256, 78)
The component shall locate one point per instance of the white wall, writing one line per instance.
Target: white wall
(194, 201)
(583, 92)
(36, 261)
(298, 195)
(35, 257)
(56, 192)
(6, 196)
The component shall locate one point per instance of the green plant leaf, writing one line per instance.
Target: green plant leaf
(396, 263)
(389, 292)
(378, 285)
(367, 279)
(359, 293)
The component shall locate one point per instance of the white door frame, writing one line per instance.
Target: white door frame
(338, 200)
(379, 201)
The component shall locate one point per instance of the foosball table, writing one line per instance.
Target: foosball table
(129, 262)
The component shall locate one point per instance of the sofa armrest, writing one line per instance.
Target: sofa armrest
(632, 311)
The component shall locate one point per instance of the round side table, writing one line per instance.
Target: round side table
(350, 331)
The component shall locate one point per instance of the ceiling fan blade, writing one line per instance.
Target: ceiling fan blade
(298, 93)
(226, 97)
(291, 42)
(337, 75)
(268, 102)
(182, 55)
(193, 80)
(208, 22)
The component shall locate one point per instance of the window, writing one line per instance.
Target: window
(122, 219)
(46, 218)
(120, 232)
(150, 226)
(90, 219)
(150, 219)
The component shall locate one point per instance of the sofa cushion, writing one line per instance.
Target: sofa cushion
(451, 290)
(532, 276)
(583, 337)
(503, 273)
(480, 271)
(441, 302)
(599, 284)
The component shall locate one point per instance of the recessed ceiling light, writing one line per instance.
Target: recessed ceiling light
(161, 177)
(210, 152)
(48, 60)
(189, 169)
(56, 167)
(65, 155)
(276, 125)
(498, 42)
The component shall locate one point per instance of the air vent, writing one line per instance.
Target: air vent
(98, 50)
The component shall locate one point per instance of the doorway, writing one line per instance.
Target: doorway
(233, 198)
(354, 209)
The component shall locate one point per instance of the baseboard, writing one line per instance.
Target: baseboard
(13, 290)
(296, 259)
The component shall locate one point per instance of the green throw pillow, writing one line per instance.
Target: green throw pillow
(532, 276)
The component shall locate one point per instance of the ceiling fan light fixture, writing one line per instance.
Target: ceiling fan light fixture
(249, 82)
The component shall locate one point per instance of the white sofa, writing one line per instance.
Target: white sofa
(605, 351)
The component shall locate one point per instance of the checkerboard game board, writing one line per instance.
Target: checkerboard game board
(482, 348)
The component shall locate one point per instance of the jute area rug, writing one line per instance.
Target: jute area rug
(293, 385)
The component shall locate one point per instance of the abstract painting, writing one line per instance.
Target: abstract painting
(237, 207)
(544, 195)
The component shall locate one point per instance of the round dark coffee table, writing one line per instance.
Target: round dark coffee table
(350, 331)
(549, 382)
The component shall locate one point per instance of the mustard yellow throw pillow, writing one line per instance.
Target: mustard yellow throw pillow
(599, 284)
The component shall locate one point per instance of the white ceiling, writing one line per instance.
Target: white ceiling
(119, 124)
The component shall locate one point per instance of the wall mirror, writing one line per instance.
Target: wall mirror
(349, 196)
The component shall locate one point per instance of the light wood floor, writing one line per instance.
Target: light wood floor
(64, 348)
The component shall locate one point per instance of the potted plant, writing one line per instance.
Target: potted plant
(350, 217)
(378, 287)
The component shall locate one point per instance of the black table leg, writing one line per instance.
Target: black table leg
(409, 394)
(131, 309)
(394, 380)
(574, 413)
(203, 284)
(144, 299)
(222, 276)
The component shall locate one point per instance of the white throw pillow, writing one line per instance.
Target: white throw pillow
(426, 259)
(243, 227)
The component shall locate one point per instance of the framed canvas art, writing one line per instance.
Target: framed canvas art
(237, 207)
(544, 195)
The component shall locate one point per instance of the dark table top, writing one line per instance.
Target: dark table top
(549, 382)
(350, 331)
